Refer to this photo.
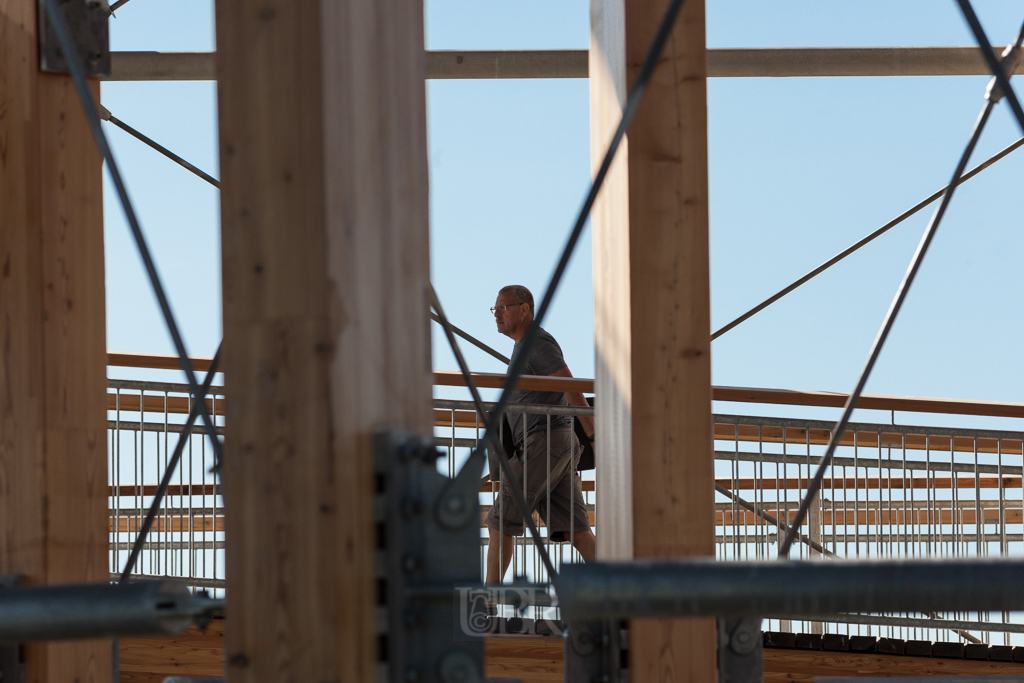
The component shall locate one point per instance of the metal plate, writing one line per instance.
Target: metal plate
(427, 571)
(87, 21)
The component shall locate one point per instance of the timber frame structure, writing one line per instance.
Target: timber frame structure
(314, 368)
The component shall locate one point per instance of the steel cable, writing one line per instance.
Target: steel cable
(172, 465)
(901, 293)
(629, 112)
(815, 484)
(993, 61)
(862, 242)
(107, 116)
(92, 115)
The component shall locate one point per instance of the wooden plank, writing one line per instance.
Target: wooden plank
(539, 660)
(192, 489)
(863, 439)
(827, 399)
(193, 653)
(852, 483)
(156, 361)
(492, 380)
(652, 316)
(53, 507)
(870, 514)
(325, 253)
(179, 405)
(834, 399)
(534, 660)
(802, 666)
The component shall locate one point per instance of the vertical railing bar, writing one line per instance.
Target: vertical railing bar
(856, 499)
(547, 530)
(978, 521)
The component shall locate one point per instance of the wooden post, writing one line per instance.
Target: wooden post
(652, 317)
(326, 329)
(53, 443)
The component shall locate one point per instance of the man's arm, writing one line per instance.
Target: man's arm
(576, 399)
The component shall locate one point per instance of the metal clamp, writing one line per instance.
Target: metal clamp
(740, 651)
(424, 625)
(595, 651)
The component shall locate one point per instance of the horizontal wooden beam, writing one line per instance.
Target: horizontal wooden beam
(769, 483)
(905, 519)
(823, 399)
(722, 63)
(155, 361)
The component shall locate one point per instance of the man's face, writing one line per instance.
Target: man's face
(509, 314)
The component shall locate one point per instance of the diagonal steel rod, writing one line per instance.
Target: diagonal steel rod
(632, 104)
(771, 519)
(107, 116)
(172, 465)
(876, 348)
(783, 527)
(862, 242)
(994, 63)
(72, 54)
(495, 444)
(471, 339)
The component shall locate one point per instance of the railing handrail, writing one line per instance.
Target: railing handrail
(819, 399)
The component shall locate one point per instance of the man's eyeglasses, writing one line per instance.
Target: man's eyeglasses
(501, 309)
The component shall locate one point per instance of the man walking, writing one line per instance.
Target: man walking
(513, 314)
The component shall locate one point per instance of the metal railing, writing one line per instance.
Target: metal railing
(893, 492)
(186, 541)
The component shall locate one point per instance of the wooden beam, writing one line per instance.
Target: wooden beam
(326, 330)
(156, 361)
(652, 316)
(53, 474)
(539, 660)
(794, 397)
(722, 63)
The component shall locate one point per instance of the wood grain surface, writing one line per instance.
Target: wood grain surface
(325, 253)
(53, 475)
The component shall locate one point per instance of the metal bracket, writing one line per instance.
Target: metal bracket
(595, 652)
(12, 660)
(426, 571)
(740, 651)
(87, 22)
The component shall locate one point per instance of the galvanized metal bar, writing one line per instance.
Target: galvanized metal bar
(107, 116)
(99, 611)
(788, 589)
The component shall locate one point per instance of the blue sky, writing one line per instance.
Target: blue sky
(799, 169)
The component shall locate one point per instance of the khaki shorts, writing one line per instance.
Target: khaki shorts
(566, 502)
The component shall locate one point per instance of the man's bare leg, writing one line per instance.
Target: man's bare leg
(586, 544)
(493, 576)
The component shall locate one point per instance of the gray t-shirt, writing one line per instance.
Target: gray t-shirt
(545, 359)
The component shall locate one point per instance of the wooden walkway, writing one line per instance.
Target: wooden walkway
(538, 659)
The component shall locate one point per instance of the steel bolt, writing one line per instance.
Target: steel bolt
(410, 563)
(454, 505)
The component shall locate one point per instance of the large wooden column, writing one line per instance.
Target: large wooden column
(53, 443)
(652, 317)
(326, 328)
